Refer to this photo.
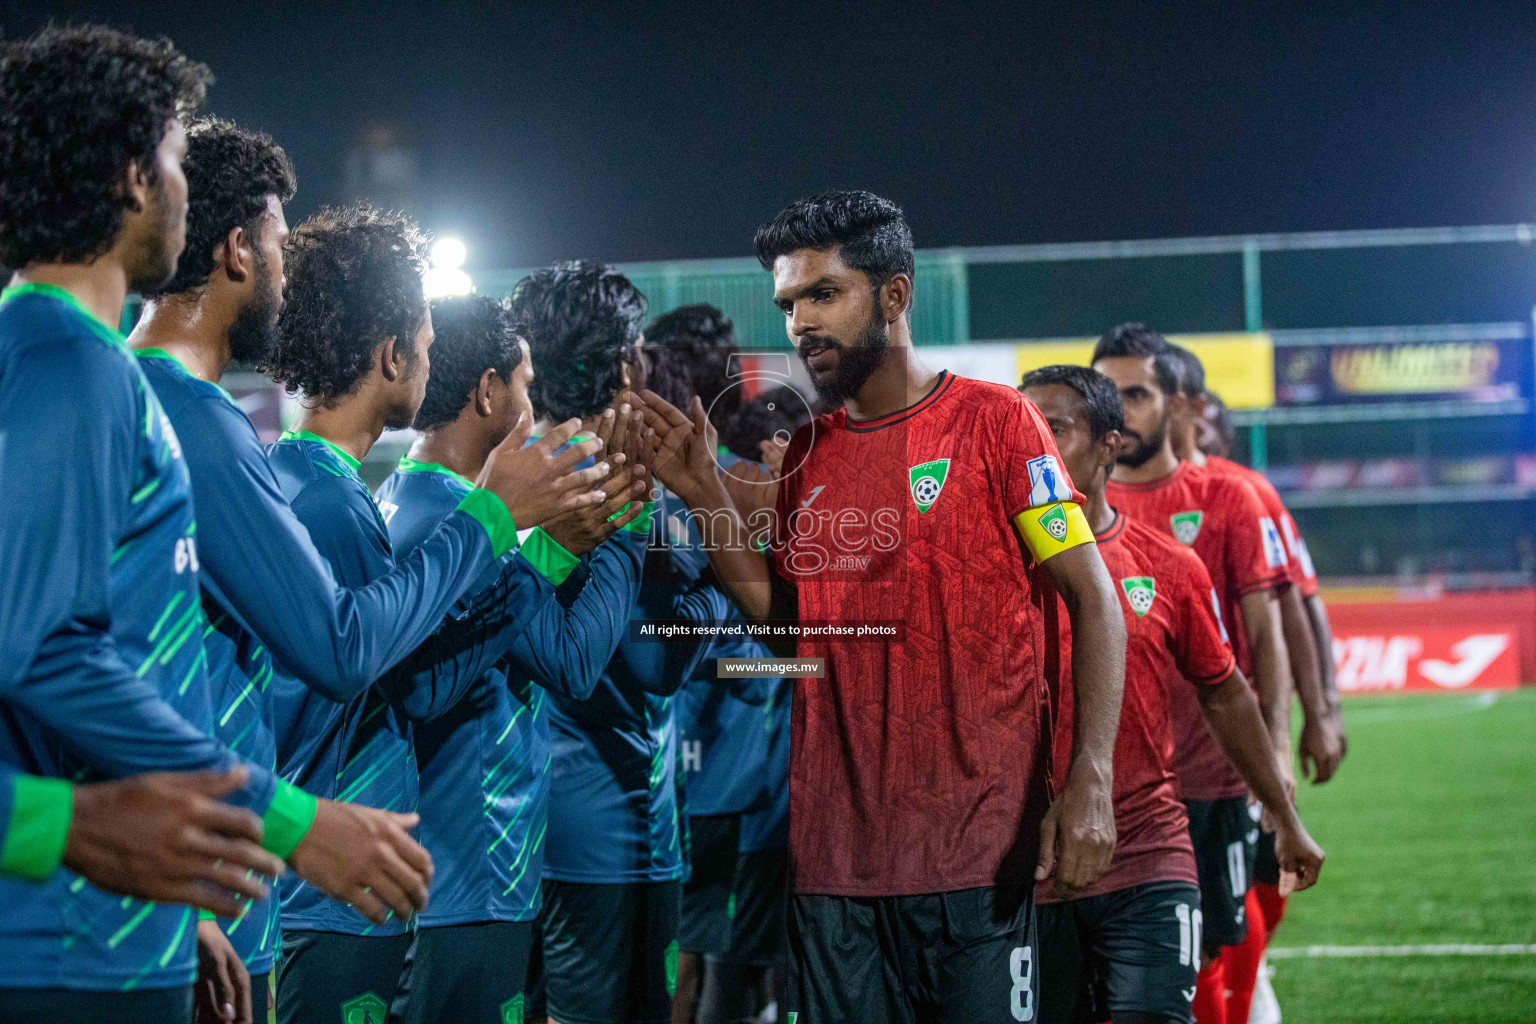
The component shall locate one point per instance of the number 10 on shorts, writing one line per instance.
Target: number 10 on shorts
(1021, 964)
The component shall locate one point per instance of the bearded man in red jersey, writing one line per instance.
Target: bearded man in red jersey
(1222, 520)
(923, 801)
(1127, 948)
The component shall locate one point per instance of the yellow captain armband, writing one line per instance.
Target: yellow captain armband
(1051, 529)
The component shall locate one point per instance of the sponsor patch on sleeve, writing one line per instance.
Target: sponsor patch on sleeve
(1220, 622)
(1047, 483)
(1274, 547)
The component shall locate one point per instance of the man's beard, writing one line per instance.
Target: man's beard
(253, 335)
(400, 417)
(153, 262)
(1145, 447)
(855, 363)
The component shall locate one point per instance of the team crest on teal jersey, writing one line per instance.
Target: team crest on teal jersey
(1140, 592)
(927, 480)
(1186, 525)
(364, 1009)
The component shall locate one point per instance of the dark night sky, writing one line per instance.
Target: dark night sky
(641, 131)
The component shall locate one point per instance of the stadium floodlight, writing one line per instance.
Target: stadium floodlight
(449, 253)
(446, 275)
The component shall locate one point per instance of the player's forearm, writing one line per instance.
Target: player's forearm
(260, 561)
(1322, 634)
(566, 649)
(743, 572)
(119, 725)
(438, 674)
(1232, 713)
(704, 605)
(1272, 672)
(1301, 650)
(1098, 675)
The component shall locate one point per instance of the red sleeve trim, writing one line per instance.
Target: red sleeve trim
(1277, 580)
(1219, 677)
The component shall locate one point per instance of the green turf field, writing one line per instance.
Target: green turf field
(1430, 830)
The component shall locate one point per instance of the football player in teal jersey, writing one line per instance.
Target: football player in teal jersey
(102, 667)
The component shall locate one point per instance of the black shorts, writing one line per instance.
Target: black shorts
(942, 958)
(1131, 950)
(1224, 854)
(610, 951)
(706, 915)
(1266, 866)
(326, 977)
(261, 996)
(759, 901)
(472, 973)
(77, 1006)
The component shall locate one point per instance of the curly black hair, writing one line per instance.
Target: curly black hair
(230, 172)
(782, 408)
(78, 106)
(1101, 399)
(1139, 340)
(697, 344)
(870, 233)
(474, 334)
(581, 320)
(353, 281)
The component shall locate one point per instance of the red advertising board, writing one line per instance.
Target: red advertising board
(1428, 659)
(1441, 644)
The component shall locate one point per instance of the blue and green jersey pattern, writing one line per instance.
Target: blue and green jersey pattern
(485, 763)
(113, 518)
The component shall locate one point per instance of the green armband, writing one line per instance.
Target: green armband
(491, 512)
(547, 555)
(39, 827)
(207, 915)
(642, 522)
(287, 820)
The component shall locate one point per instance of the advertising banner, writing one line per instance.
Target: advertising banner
(1432, 643)
(1476, 371)
(1432, 659)
(1239, 367)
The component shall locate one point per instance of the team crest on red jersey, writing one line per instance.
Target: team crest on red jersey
(1186, 525)
(1140, 591)
(927, 480)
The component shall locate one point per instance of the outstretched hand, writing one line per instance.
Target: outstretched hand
(751, 487)
(534, 482)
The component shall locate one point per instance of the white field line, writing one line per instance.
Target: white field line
(1467, 704)
(1444, 949)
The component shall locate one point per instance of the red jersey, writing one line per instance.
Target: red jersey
(1172, 634)
(1279, 522)
(923, 766)
(1222, 520)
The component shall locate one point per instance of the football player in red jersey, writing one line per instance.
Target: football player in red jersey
(1213, 437)
(1131, 940)
(923, 800)
(1320, 747)
(1222, 519)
